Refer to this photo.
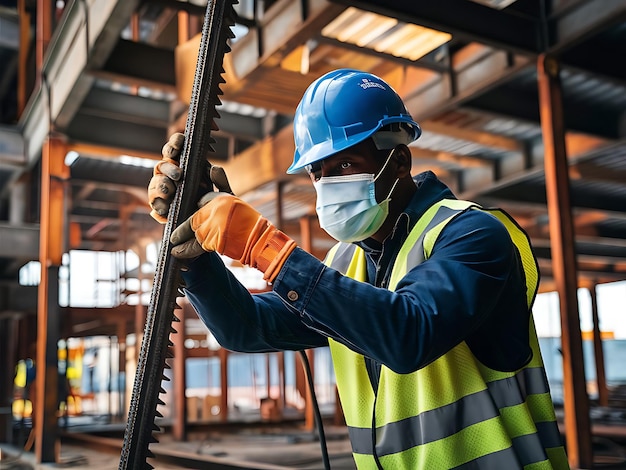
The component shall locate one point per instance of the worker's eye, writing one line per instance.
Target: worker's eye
(345, 165)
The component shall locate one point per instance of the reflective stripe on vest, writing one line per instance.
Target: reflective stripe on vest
(455, 412)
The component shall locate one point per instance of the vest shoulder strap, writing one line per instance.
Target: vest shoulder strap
(420, 241)
(348, 259)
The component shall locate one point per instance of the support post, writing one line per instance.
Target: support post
(180, 383)
(223, 355)
(307, 245)
(598, 353)
(121, 367)
(576, 401)
(8, 340)
(42, 34)
(54, 173)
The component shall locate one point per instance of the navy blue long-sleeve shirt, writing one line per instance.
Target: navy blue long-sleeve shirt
(470, 289)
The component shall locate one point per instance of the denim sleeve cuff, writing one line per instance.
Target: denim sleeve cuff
(297, 279)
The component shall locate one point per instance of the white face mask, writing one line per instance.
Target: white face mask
(347, 208)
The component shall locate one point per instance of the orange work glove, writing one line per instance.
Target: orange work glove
(167, 174)
(232, 227)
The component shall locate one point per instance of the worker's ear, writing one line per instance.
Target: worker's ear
(402, 156)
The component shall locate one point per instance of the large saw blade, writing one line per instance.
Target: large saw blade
(155, 347)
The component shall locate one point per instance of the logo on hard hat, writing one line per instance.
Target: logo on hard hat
(366, 83)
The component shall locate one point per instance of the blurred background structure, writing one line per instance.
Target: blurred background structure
(523, 106)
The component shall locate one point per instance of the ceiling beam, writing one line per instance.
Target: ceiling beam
(472, 135)
(11, 147)
(79, 43)
(19, 241)
(142, 64)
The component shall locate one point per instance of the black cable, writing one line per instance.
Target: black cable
(316, 409)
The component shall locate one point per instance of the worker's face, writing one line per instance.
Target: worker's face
(358, 159)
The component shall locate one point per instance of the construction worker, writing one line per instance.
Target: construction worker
(425, 301)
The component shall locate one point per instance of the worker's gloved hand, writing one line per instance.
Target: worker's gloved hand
(167, 174)
(231, 227)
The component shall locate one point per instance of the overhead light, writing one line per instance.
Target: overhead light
(497, 4)
(384, 34)
(136, 161)
(71, 157)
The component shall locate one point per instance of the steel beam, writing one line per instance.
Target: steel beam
(576, 401)
(127, 107)
(54, 172)
(142, 62)
(598, 352)
(179, 426)
(69, 54)
(11, 147)
(19, 241)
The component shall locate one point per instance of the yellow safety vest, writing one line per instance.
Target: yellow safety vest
(455, 412)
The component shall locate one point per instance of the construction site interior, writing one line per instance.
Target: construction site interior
(522, 105)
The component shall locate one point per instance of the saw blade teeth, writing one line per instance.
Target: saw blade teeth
(158, 347)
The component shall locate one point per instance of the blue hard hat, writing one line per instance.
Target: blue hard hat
(341, 109)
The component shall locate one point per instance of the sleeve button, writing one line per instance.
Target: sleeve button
(292, 295)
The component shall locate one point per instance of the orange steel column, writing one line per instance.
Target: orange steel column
(576, 401)
(598, 353)
(179, 428)
(307, 245)
(54, 172)
(43, 33)
(223, 355)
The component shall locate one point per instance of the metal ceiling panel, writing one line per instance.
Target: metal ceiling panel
(591, 106)
(465, 20)
(110, 171)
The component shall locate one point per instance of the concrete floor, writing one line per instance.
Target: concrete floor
(263, 448)
(268, 447)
